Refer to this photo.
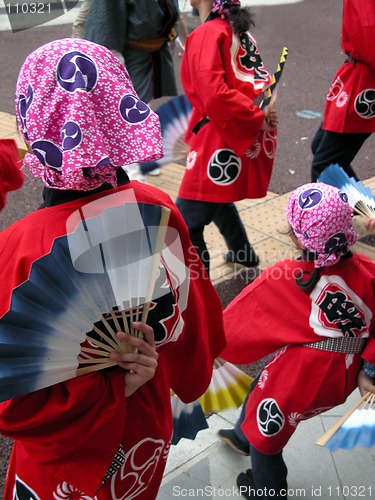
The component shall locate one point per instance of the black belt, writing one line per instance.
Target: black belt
(200, 124)
(344, 345)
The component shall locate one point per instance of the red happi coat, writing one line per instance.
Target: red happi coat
(350, 105)
(71, 436)
(230, 157)
(272, 315)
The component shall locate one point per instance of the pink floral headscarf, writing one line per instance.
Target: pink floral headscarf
(222, 7)
(77, 109)
(321, 218)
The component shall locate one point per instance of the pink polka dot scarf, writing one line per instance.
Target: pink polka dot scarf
(321, 218)
(77, 109)
(222, 7)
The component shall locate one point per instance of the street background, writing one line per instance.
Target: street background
(311, 31)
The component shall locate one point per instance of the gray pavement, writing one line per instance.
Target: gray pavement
(207, 468)
(311, 30)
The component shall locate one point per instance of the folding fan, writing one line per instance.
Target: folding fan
(228, 388)
(174, 118)
(271, 92)
(355, 428)
(188, 419)
(360, 198)
(95, 281)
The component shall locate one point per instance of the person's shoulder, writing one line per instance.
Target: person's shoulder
(149, 193)
(360, 259)
(214, 28)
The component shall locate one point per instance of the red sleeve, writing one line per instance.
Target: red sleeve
(358, 33)
(261, 320)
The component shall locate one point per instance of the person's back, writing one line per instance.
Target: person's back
(316, 315)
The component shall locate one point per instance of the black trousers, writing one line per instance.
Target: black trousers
(198, 214)
(269, 474)
(332, 147)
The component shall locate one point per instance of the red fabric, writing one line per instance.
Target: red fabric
(349, 105)
(67, 435)
(11, 175)
(220, 87)
(272, 315)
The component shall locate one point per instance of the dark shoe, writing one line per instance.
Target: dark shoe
(231, 257)
(228, 437)
(246, 485)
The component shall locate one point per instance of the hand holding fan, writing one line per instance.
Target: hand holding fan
(94, 282)
(360, 198)
(355, 428)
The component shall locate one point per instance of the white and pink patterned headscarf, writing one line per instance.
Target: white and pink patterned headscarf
(77, 109)
(222, 7)
(321, 218)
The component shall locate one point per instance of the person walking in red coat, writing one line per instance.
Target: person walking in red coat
(349, 115)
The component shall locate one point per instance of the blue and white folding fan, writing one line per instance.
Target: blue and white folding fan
(188, 419)
(360, 198)
(95, 281)
(174, 117)
(355, 428)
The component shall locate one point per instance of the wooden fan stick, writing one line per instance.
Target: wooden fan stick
(115, 320)
(88, 369)
(163, 225)
(363, 209)
(96, 342)
(89, 350)
(369, 402)
(92, 361)
(322, 441)
(106, 337)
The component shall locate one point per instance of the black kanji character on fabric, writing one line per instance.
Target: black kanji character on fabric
(251, 59)
(343, 313)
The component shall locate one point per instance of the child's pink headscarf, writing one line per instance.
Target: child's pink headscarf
(77, 109)
(321, 218)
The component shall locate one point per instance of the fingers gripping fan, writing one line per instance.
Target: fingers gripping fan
(95, 281)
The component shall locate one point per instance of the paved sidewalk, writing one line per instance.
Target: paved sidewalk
(207, 468)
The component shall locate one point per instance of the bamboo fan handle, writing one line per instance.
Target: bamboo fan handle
(163, 225)
(323, 440)
(89, 369)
